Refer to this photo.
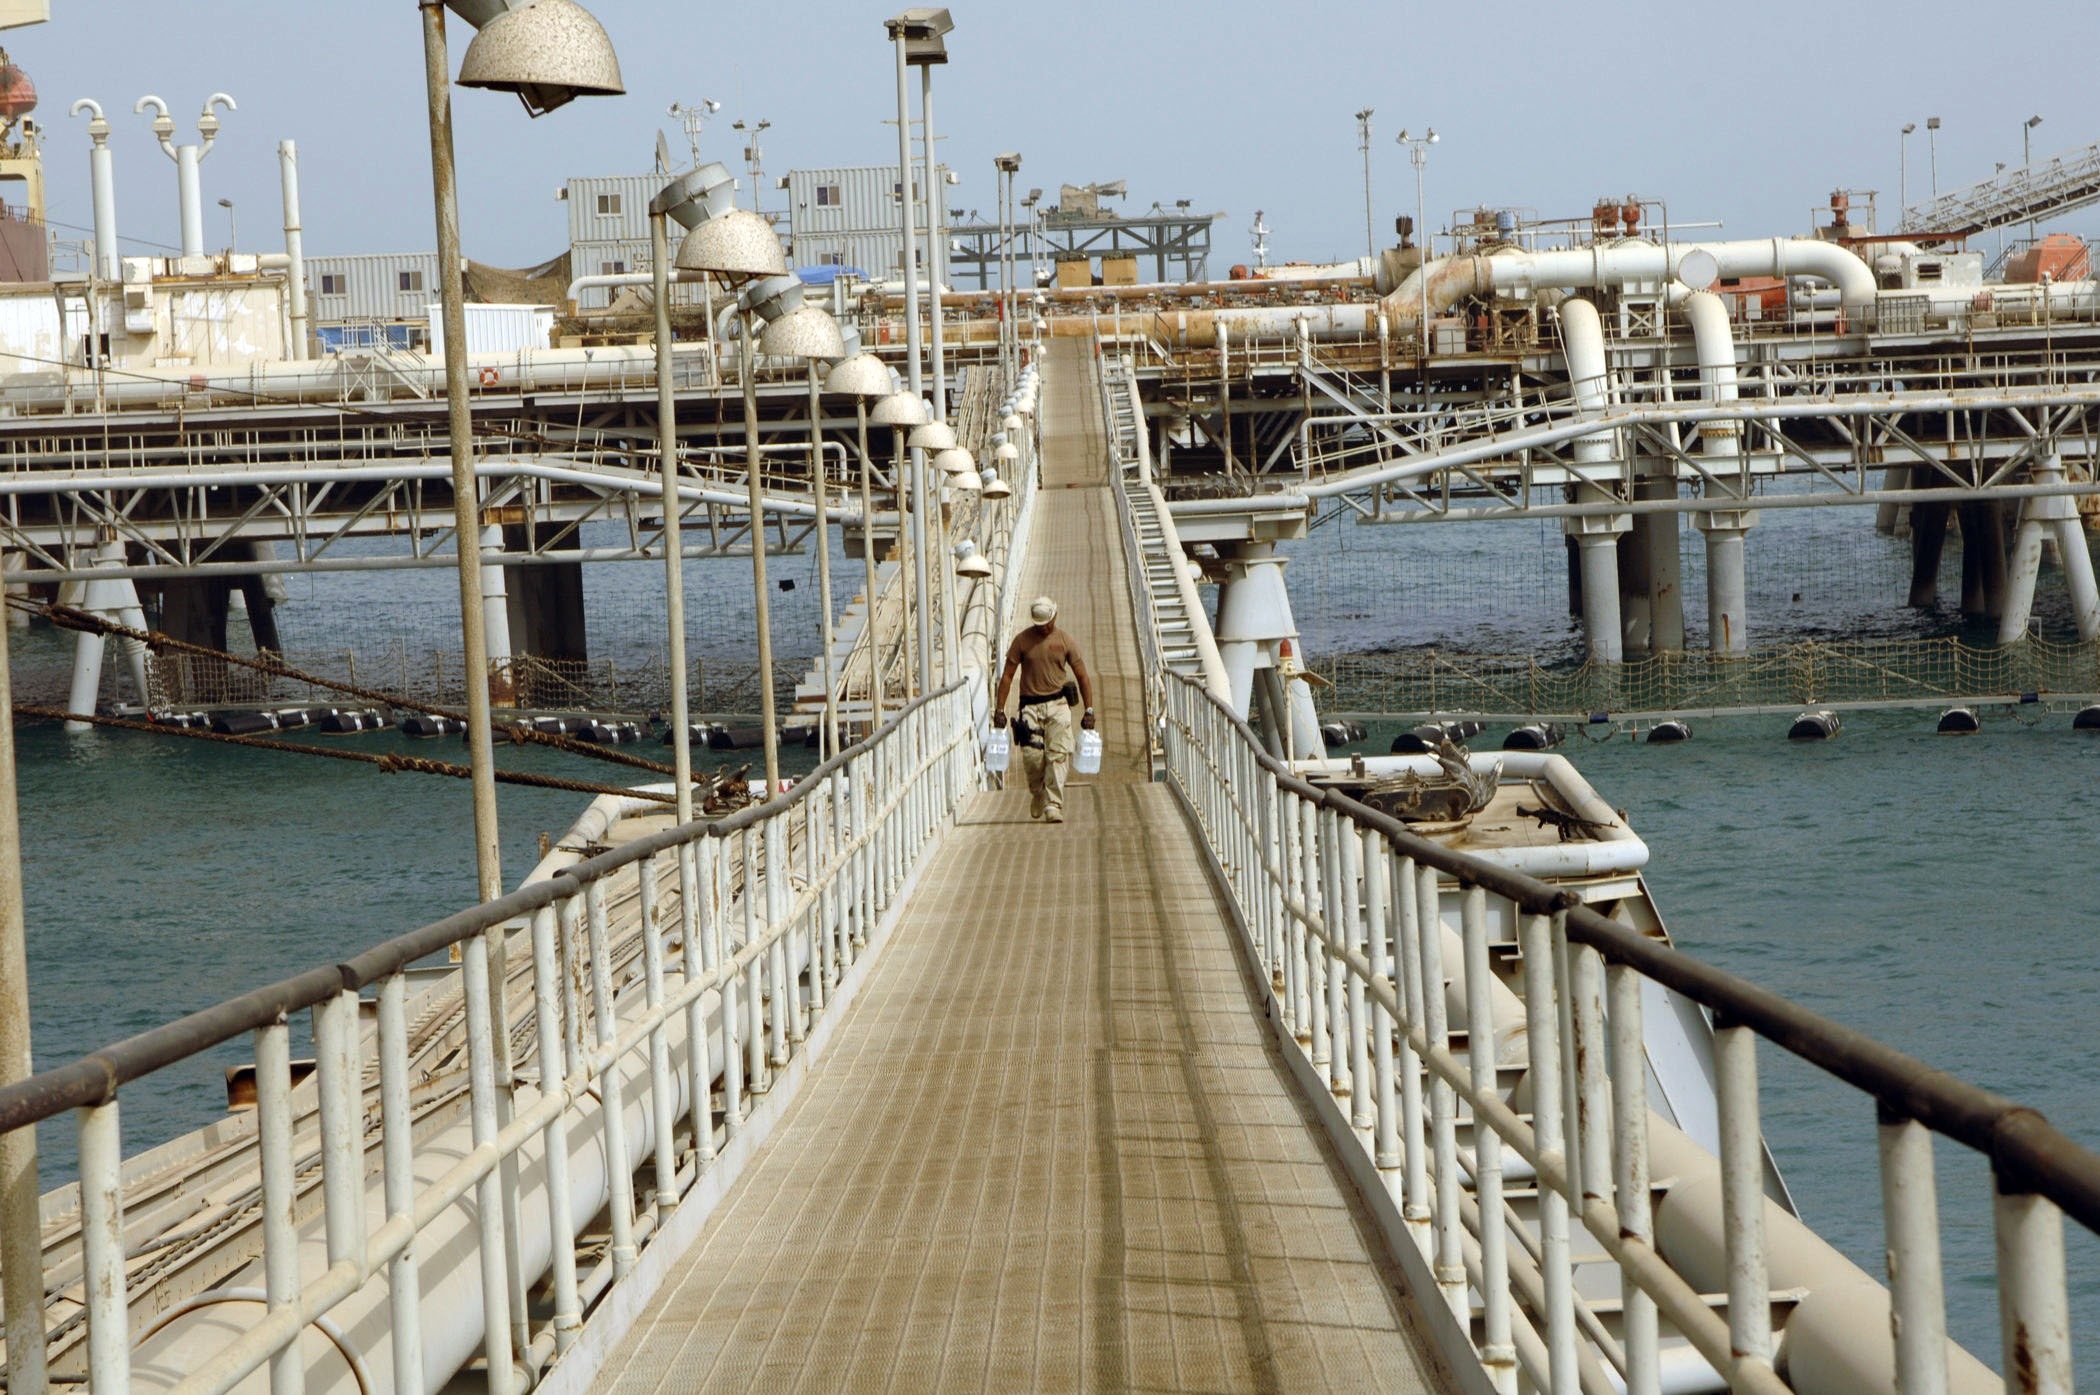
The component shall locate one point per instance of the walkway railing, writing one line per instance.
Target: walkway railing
(1345, 912)
(748, 926)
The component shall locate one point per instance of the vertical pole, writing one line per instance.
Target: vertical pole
(612, 1095)
(294, 246)
(2033, 1307)
(936, 244)
(466, 506)
(548, 1039)
(1547, 1131)
(1743, 1194)
(102, 1246)
(660, 1089)
(1911, 1222)
(1629, 1100)
(21, 1229)
(273, 1132)
(1498, 1353)
(913, 376)
(674, 537)
(867, 557)
(816, 470)
(768, 721)
(1443, 1104)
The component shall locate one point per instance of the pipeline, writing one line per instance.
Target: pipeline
(1589, 377)
(294, 247)
(335, 379)
(1448, 280)
(1727, 611)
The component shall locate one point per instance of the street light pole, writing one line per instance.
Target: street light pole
(233, 226)
(466, 503)
(2027, 169)
(1363, 143)
(900, 31)
(1418, 156)
(1903, 179)
(1932, 144)
(674, 541)
(936, 244)
(21, 1227)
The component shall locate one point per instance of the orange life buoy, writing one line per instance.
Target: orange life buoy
(489, 377)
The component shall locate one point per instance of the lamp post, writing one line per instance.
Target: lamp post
(916, 34)
(548, 54)
(2027, 167)
(936, 233)
(864, 377)
(693, 119)
(754, 156)
(1363, 143)
(1903, 178)
(1008, 165)
(1418, 155)
(1932, 146)
(233, 226)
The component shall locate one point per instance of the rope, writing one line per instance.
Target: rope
(387, 764)
(267, 663)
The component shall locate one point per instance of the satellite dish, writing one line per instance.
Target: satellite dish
(1115, 190)
(663, 154)
(1698, 269)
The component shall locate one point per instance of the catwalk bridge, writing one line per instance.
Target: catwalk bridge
(1231, 1082)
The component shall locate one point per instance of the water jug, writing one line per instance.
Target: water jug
(998, 750)
(1087, 760)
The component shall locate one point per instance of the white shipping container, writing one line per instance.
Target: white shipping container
(496, 329)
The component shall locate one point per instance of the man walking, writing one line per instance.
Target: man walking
(1042, 654)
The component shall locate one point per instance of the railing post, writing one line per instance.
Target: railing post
(339, 1086)
(1743, 1195)
(2033, 1308)
(698, 914)
(1911, 1225)
(756, 1080)
(1414, 1207)
(1629, 1105)
(1540, 992)
(1315, 973)
(1443, 1104)
(1273, 859)
(819, 933)
(1297, 1012)
(612, 1107)
(1363, 1097)
(1498, 1352)
(1586, 1048)
(1378, 877)
(726, 975)
(780, 937)
(568, 1312)
(660, 1106)
(273, 1133)
(102, 1249)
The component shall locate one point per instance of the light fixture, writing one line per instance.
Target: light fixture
(899, 409)
(863, 375)
(969, 561)
(996, 487)
(803, 332)
(933, 436)
(549, 52)
(1006, 450)
(967, 481)
(953, 460)
(1011, 422)
(737, 243)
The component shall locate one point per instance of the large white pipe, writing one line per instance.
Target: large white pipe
(1727, 607)
(1589, 377)
(1451, 279)
(294, 245)
(102, 176)
(332, 377)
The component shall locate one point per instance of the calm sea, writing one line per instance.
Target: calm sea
(1935, 892)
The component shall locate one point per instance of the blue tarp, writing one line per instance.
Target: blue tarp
(825, 275)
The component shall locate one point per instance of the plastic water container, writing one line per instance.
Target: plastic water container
(1087, 759)
(998, 750)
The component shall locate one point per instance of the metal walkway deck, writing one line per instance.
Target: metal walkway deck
(1053, 1147)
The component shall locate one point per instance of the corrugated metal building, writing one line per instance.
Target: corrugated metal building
(847, 216)
(609, 233)
(373, 289)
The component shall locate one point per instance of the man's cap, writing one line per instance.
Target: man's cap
(1043, 610)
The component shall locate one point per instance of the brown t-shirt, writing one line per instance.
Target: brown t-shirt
(1043, 660)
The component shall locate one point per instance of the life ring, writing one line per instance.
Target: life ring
(489, 377)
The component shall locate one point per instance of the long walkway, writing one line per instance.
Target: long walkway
(1052, 1147)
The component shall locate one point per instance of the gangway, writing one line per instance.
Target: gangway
(2024, 195)
(1229, 1081)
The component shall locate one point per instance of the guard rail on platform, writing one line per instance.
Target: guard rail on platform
(749, 925)
(1343, 913)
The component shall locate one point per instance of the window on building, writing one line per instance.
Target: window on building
(829, 196)
(832, 259)
(897, 190)
(412, 280)
(608, 205)
(612, 269)
(334, 283)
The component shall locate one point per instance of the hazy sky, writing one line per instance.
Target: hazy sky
(1748, 114)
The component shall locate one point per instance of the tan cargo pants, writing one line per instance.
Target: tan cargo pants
(1048, 764)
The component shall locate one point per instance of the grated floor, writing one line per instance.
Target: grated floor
(1052, 1146)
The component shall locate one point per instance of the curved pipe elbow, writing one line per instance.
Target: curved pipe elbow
(1442, 283)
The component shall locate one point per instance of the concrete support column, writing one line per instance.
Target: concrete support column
(15, 619)
(1600, 593)
(1727, 595)
(495, 618)
(115, 599)
(1664, 568)
(1983, 577)
(2046, 517)
(545, 605)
